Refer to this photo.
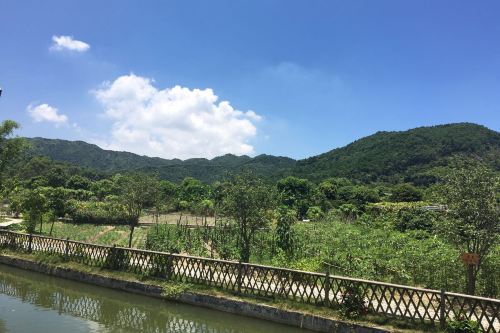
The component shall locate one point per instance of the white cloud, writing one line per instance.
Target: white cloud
(45, 112)
(175, 122)
(62, 43)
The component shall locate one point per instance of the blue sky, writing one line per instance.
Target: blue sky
(300, 77)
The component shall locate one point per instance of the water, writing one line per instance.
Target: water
(32, 302)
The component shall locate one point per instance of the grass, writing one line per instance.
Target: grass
(172, 289)
(95, 234)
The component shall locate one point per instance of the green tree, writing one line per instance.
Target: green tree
(56, 202)
(248, 201)
(193, 191)
(182, 206)
(9, 147)
(34, 205)
(296, 194)
(405, 193)
(314, 213)
(348, 212)
(207, 208)
(470, 192)
(78, 182)
(136, 193)
(104, 187)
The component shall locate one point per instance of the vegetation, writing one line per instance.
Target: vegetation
(398, 207)
(415, 156)
(471, 194)
(9, 147)
(249, 203)
(412, 156)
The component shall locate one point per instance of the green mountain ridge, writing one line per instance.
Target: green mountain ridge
(384, 156)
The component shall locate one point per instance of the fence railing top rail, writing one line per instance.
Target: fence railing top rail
(476, 298)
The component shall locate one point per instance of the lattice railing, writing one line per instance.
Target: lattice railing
(400, 301)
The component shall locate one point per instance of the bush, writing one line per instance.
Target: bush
(314, 213)
(99, 213)
(348, 212)
(405, 193)
(353, 304)
(116, 259)
(463, 325)
(415, 219)
(161, 266)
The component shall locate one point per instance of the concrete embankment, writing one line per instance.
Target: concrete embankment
(226, 304)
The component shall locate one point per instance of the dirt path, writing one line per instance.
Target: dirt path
(99, 234)
(10, 221)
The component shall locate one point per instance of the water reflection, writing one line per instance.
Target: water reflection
(36, 302)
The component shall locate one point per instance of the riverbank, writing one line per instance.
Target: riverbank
(316, 319)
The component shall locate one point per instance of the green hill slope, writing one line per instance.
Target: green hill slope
(91, 156)
(411, 155)
(395, 156)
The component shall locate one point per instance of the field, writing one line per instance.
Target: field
(173, 218)
(362, 250)
(97, 234)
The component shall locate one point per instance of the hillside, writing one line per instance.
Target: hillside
(411, 155)
(406, 155)
(91, 156)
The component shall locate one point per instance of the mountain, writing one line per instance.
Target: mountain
(405, 155)
(411, 156)
(91, 156)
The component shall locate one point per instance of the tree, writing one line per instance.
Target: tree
(136, 193)
(296, 193)
(193, 191)
(9, 147)
(470, 193)
(104, 187)
(78, 182)
(34, 205)
(207, 209)
(314, 213)
(248, 201)
(182, 206)
(405, 193)
(284, 231)
(348, 212)
(56, 202)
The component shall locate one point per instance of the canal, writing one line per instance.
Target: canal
(33, 302)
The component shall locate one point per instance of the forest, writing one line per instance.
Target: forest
(400, 207)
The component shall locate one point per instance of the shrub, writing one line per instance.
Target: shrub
(348, 212)
(353, 304)
(314, 213)
(99, 213)
(463, 325)
(405, 193)
(161, 266)
(415, 219)
(116, 259)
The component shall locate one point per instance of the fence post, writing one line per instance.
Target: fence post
(66, 248)
(169, 270)
(30, 241)
(327, 289)
(12, 241)
(239, 278)
(442, 305)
